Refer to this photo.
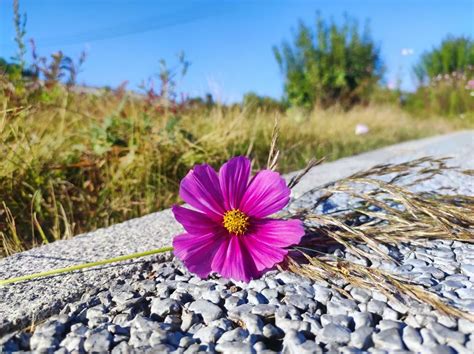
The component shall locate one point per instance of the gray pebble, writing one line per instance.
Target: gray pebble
(98, 342)
(341, 306)
(163, 307)
(305, 290)
(42, 342)
(264, 310)
(272, 332)
(377, 295)
(72, 342)
(207, 310)
(445, 335)
(428, 339)
(387, 324)
(290, 278)
(452, 284)
(236, 335)
(362, 319)
(300, 301)
(121, 348)
(342, 320)
(223, 323)
(157, 337)
(466, 293)
(292, 341)
(143, 324)
(232, 302)
(361, 338)
(437, 349)
(208, 334)
(416, 262)
(466, 326)
(287, 324)
(322, 294)
(388, 339)
(188, 319)
(270, 293)
(257, 284)
(412, 338)
(447, 321)
(361, 295)
(255, 298)
(252, 323)
(211, 296)
(390, 314)
(335, 334)
(314, 322)
(234, 348)
(376, 306)
(121, 297)
(398, 306)
(236, 313)
(468, 269)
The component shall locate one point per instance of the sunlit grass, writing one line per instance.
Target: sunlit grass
(79, 162)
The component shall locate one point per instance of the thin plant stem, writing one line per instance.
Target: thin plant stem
(84, 266)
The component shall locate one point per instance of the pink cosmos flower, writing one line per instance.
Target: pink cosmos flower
(229, 232)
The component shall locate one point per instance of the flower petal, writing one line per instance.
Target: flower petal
(194, 222)
(233, 177)
(266, 194)
(233, 260)
(200, 189)
(197, 252)
(267, 238)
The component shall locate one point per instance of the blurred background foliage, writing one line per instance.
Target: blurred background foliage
(75, 158)
(330, 64)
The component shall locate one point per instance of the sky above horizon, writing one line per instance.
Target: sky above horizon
(228, 42)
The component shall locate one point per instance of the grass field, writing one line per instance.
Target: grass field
(78, 162)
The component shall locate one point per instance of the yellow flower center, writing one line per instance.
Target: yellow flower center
(235, 222)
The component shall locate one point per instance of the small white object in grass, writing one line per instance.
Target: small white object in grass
(361, 129)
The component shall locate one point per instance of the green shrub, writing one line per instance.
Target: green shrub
(329, 64)
(445, 77)
(455, 54)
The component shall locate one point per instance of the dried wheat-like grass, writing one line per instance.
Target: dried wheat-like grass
(322, 269)
(387, 214)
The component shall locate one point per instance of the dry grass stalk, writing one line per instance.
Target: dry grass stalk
(365, 277)
(422, 217)
(297, 178)
(274, 153)
(430, 216)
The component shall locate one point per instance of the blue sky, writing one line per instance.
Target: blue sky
(229, 43)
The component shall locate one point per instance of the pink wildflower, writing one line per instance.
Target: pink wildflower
(230, 233)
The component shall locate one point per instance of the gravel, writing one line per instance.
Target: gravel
(157, 306)
(289, 322)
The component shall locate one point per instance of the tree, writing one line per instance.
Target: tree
(329, 64)
(454, 55)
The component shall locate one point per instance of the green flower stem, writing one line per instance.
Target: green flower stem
(83, 266)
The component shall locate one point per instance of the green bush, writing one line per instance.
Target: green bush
(330, 64)
(455, 54)
(445, 77)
